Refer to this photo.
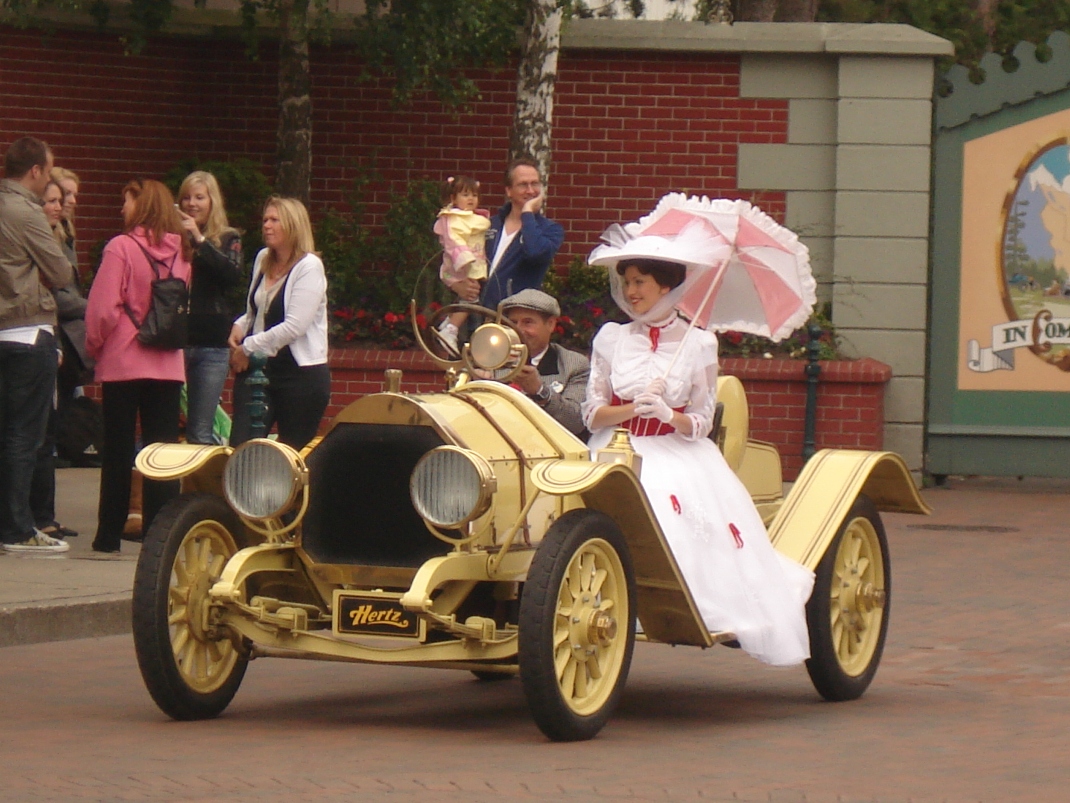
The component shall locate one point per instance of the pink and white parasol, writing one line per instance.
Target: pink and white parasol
(745, 272)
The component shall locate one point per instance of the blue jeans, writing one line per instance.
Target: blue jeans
(206, 373)
(27, 384)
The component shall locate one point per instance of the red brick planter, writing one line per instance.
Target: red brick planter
(850, 398)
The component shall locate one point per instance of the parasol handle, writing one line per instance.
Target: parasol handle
(691, 323)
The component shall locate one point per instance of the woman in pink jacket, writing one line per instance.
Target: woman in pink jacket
(137, 380)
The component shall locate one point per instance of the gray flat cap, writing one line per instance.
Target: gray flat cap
(534, 300)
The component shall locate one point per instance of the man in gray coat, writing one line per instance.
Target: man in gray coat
(555, 378)
(31, 263)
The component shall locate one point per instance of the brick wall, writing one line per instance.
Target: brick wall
(628, 127)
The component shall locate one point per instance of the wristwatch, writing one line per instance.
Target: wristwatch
(541, 397)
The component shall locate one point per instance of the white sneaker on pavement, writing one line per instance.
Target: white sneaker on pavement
(39, 543)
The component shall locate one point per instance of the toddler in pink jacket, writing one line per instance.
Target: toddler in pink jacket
(462, 229)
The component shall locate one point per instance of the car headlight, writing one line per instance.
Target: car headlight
(493, 345)
(451, 486)
(262, 478)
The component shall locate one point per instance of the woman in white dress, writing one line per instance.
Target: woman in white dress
(739, 582)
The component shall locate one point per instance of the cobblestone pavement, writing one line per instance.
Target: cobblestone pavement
(971, 704)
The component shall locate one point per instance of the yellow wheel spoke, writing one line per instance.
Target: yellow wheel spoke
(586, 571)
(561, 659)
(606, 605)
(581, 680)
(177, 615)
(189, 555)
(181, 575)
(200, 669)
(575, 585)
(599, 578)
(863, 566)
(560, 636)
(204, 553)
(594, 668)
(214, 652)
(183, 654)
(181, 638)
(855, 548)
(216, 567)
(179, 594)
(568, 679)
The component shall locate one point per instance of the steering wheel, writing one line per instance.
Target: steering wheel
(449, 357)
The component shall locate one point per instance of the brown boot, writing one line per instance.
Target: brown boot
(132, 530)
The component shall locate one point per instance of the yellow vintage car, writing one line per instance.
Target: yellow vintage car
(468, 530)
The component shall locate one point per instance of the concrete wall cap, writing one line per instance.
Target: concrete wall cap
(753, 37)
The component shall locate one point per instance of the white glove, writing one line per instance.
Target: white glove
(656, 387)
(649, 405)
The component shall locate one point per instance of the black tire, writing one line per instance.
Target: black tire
(572, 704)
(171, 654)
(848, 612)
(491, 677)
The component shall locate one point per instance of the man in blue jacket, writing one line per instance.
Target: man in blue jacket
(521, 242)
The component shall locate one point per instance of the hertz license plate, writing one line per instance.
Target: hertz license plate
(370, 615)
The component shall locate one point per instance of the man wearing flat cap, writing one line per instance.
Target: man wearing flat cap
(555, 378)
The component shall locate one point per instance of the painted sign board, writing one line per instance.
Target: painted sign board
(999, 353)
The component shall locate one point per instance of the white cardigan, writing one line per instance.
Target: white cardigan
(304, 329)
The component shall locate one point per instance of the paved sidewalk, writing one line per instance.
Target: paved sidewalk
(81, 595)
(78, 594)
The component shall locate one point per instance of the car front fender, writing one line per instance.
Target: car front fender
(200, 467)
(664, 602)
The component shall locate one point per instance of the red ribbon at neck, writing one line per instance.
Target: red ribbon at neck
(655, 336)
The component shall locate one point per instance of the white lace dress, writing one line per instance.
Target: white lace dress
(739, 582)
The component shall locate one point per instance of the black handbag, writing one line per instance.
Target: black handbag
(166, 325)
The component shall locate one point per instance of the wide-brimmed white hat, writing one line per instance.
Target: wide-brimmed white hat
(697, 246)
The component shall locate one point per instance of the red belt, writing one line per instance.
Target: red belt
(644, 426)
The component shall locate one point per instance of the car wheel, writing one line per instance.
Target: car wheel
(847, 614)
(190, 671)
(577, 626)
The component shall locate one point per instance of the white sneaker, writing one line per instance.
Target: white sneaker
(449, 333)
(39, 543)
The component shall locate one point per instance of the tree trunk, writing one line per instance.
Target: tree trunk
(797, 11)
(536, 76)
(986, 10)
(757, 10)
(293, 157)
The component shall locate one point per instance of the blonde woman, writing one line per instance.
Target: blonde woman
(217, 264)
(70, 336)
(286, 320)
(68, 182)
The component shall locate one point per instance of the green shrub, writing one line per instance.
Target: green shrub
(373, 275)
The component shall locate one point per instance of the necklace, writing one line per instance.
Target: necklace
(277, 271)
